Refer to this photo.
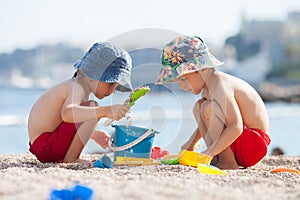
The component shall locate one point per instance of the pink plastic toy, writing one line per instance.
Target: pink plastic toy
(157, 153)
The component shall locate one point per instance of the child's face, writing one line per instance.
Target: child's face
(103, 89)
(192, 82)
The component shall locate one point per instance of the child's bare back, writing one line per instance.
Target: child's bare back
(231, 90)
(45, 115)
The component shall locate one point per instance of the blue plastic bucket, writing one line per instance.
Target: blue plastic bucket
(126, 134)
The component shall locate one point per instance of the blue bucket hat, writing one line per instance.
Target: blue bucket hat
(107, 63)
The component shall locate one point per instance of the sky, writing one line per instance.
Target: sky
(26, 24)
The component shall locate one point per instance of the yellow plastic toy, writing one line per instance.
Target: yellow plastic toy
(197, 145)
(209, 169)
(131, 161)
(191, 158)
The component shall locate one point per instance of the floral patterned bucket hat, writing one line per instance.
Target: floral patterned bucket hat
(184, 55)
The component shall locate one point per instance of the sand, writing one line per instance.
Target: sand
(23, 177)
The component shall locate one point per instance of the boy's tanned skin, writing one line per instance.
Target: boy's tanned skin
(68, 102)
(63, 119)
(234, 103)
(231, 117)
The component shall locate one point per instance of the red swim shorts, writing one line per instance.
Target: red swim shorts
(250, 147)
(53, 146)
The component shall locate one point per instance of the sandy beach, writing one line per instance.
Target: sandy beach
(23, 177)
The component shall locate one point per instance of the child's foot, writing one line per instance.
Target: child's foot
(214, 160)
(227, 160)
(221, 165)
(101, 138)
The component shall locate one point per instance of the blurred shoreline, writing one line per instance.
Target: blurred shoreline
(274, 92)
(169, 113)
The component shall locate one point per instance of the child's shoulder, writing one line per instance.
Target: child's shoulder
(227, 84)
(62, 87)
(65, 84)
(232, 81)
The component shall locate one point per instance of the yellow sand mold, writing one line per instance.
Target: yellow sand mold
(191, 158)
(131, 161)
(209, 169)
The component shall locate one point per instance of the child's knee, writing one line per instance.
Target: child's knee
(206, 111)
(196, 108)
(210, 109)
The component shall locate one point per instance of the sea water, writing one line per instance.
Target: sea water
(168, 113)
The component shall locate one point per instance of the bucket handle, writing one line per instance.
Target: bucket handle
(129, 145)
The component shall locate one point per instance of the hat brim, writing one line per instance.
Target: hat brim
(123, 88)
(169, 74)
(121, 77)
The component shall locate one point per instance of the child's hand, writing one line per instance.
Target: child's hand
(119, 111)
(188, 146)
(101, 138)
(207, 152)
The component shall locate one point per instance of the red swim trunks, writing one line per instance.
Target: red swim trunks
(53, 146)
(250, 147)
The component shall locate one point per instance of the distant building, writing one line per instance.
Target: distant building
(260, 45)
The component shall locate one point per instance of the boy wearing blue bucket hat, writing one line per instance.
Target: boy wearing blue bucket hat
(231, 116)
(63, 119)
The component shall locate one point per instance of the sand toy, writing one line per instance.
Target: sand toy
(191, 158)
(131, 141)
(170, 159)
(133, 97)
(209, 169)
(103, 162)
(283, 169)
(158, 153)
(78, 192)
(131, 161)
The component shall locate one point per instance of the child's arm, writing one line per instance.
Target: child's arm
(190, 144)
(233, 127)
(73, 112)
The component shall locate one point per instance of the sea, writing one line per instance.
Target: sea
(169, 113)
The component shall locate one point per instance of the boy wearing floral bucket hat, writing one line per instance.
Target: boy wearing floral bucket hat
(231, 116)
(63, 119)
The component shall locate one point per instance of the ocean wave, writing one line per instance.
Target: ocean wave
(12, 120)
